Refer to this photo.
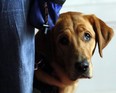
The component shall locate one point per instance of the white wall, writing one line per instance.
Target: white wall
(104, 9)
(104, 74)
(78, 2)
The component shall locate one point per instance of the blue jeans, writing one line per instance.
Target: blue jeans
(16, 47)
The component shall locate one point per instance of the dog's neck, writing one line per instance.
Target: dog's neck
(45, 87)
(68, 86)
(68, 89)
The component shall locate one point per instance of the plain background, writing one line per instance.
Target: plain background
(104, 69)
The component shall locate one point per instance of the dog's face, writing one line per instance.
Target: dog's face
(71, 45)
(75, 36)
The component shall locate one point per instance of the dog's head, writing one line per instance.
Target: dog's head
(72, 43)
(75, 36)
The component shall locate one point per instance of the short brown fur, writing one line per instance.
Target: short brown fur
(67, 46)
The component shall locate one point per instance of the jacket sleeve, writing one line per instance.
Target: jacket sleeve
(54, 7)
(37, 12)
(58, 1)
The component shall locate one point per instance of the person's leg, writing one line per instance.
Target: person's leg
(16, 47)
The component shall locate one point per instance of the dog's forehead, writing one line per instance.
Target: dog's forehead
(74, 21)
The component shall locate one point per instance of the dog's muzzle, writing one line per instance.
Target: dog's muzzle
(82, 67)
(81, 70)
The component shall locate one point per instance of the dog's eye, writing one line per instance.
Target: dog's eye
(87, 37)
(64, 40)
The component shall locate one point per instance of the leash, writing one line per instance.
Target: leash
(45, 27)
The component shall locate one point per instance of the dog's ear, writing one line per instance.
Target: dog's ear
(103, 32)
(40, 45)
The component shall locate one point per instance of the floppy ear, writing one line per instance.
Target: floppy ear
(43, 45)
(40, 45)
(103, 32)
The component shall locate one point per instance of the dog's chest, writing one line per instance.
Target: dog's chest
(44, 88)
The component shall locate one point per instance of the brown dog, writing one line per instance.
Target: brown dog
(68, 48)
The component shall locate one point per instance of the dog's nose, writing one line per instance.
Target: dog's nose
(82, 66)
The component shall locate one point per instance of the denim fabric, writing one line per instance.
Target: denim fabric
(16, 47)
